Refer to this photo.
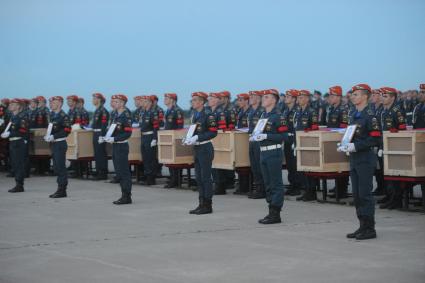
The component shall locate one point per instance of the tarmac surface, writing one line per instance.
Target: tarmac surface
(85, 238)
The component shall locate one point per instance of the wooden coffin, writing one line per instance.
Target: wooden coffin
(38, 146)
(316, 152)
(80, 144)
(231, 150)
(134, 144)
(404, 153)
(170, 148)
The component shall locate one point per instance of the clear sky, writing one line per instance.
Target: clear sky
(58, 47)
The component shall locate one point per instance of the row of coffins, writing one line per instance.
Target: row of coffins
(316, 151)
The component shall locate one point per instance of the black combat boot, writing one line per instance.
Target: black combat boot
(206, 207)
(125, 199)
(60, 193)
(19, 188)
(369, 231)
(114, 180)
(273, 217)
(390, 200)
(150, 180)
(360, 229)
(195, 211)
(101, 175)
(243, 185)
(220, 189)
(259, 193)
(309, 195)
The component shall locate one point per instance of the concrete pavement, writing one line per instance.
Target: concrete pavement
(85, 238)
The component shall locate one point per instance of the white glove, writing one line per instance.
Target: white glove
(101, 140)
(350, 147)
(109, 140)
(251, 138)
(76, 127)
(1, 122)
(341, 148)
(153, 143)
(380, 153)
(135, 125)
(5, 135)
(87, 128)
(260, 137)
(49, 138)
(192, 140)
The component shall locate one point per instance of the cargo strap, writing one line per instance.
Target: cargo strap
(147, 133)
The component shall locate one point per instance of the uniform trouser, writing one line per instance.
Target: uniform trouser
(122, 168)
(379, 174)
(254, 159)
(271, 168)
(148, 155)
(204, 155)
(17, 151)
(219, 177)
(100, 154)
(27, 158)
(59, 157)
(294, 178)
(174, 175)
(362, 168)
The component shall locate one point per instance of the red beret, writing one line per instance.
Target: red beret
(35, 99)
(80, 99)
(200, 94)
(25, 100)
(422, 86)
(171, 95)
(41, 98)
(292, 92)
(215, 94)
(243, 96)
(5, 101)
(388, 90)
(271, 91)
(361, 87)
(15, 100)
(256, 92)
(56, 98)
(304, 92)
(225, 93)
(139, 97)
(99, 95)
(335, 90)
(152, 98)
(72, 97)
(377, 90)
(120, 97)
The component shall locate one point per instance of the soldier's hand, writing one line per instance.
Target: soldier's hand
(380, 153)
(351, 147)
(341, 148)
(260, 137)
(1, 122)
(5, 135)
(101, 140)
(49, 138)
(135, 125)
(153, 143)
(109, 140)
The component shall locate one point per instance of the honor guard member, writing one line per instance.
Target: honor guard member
(418, 117)
(294, 178)
(173, 120)
(215, 109)
(4, 143)
(42, 114)
(138, 102)
(242, 122)
(255, 112)
(99, 125)
(363, 161)
(243, 103)
(281, 105)
(271, 155)
(32, 112)
(375, 104)
(306, 119)
(18, 135)
(230, 114)
(149, 125)
(337, 117)
(73, 112)
(57, 138)
(160, 111)
(392, 119)
(120, 147)
(203, 151)
(85, 118)
(317, 104)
